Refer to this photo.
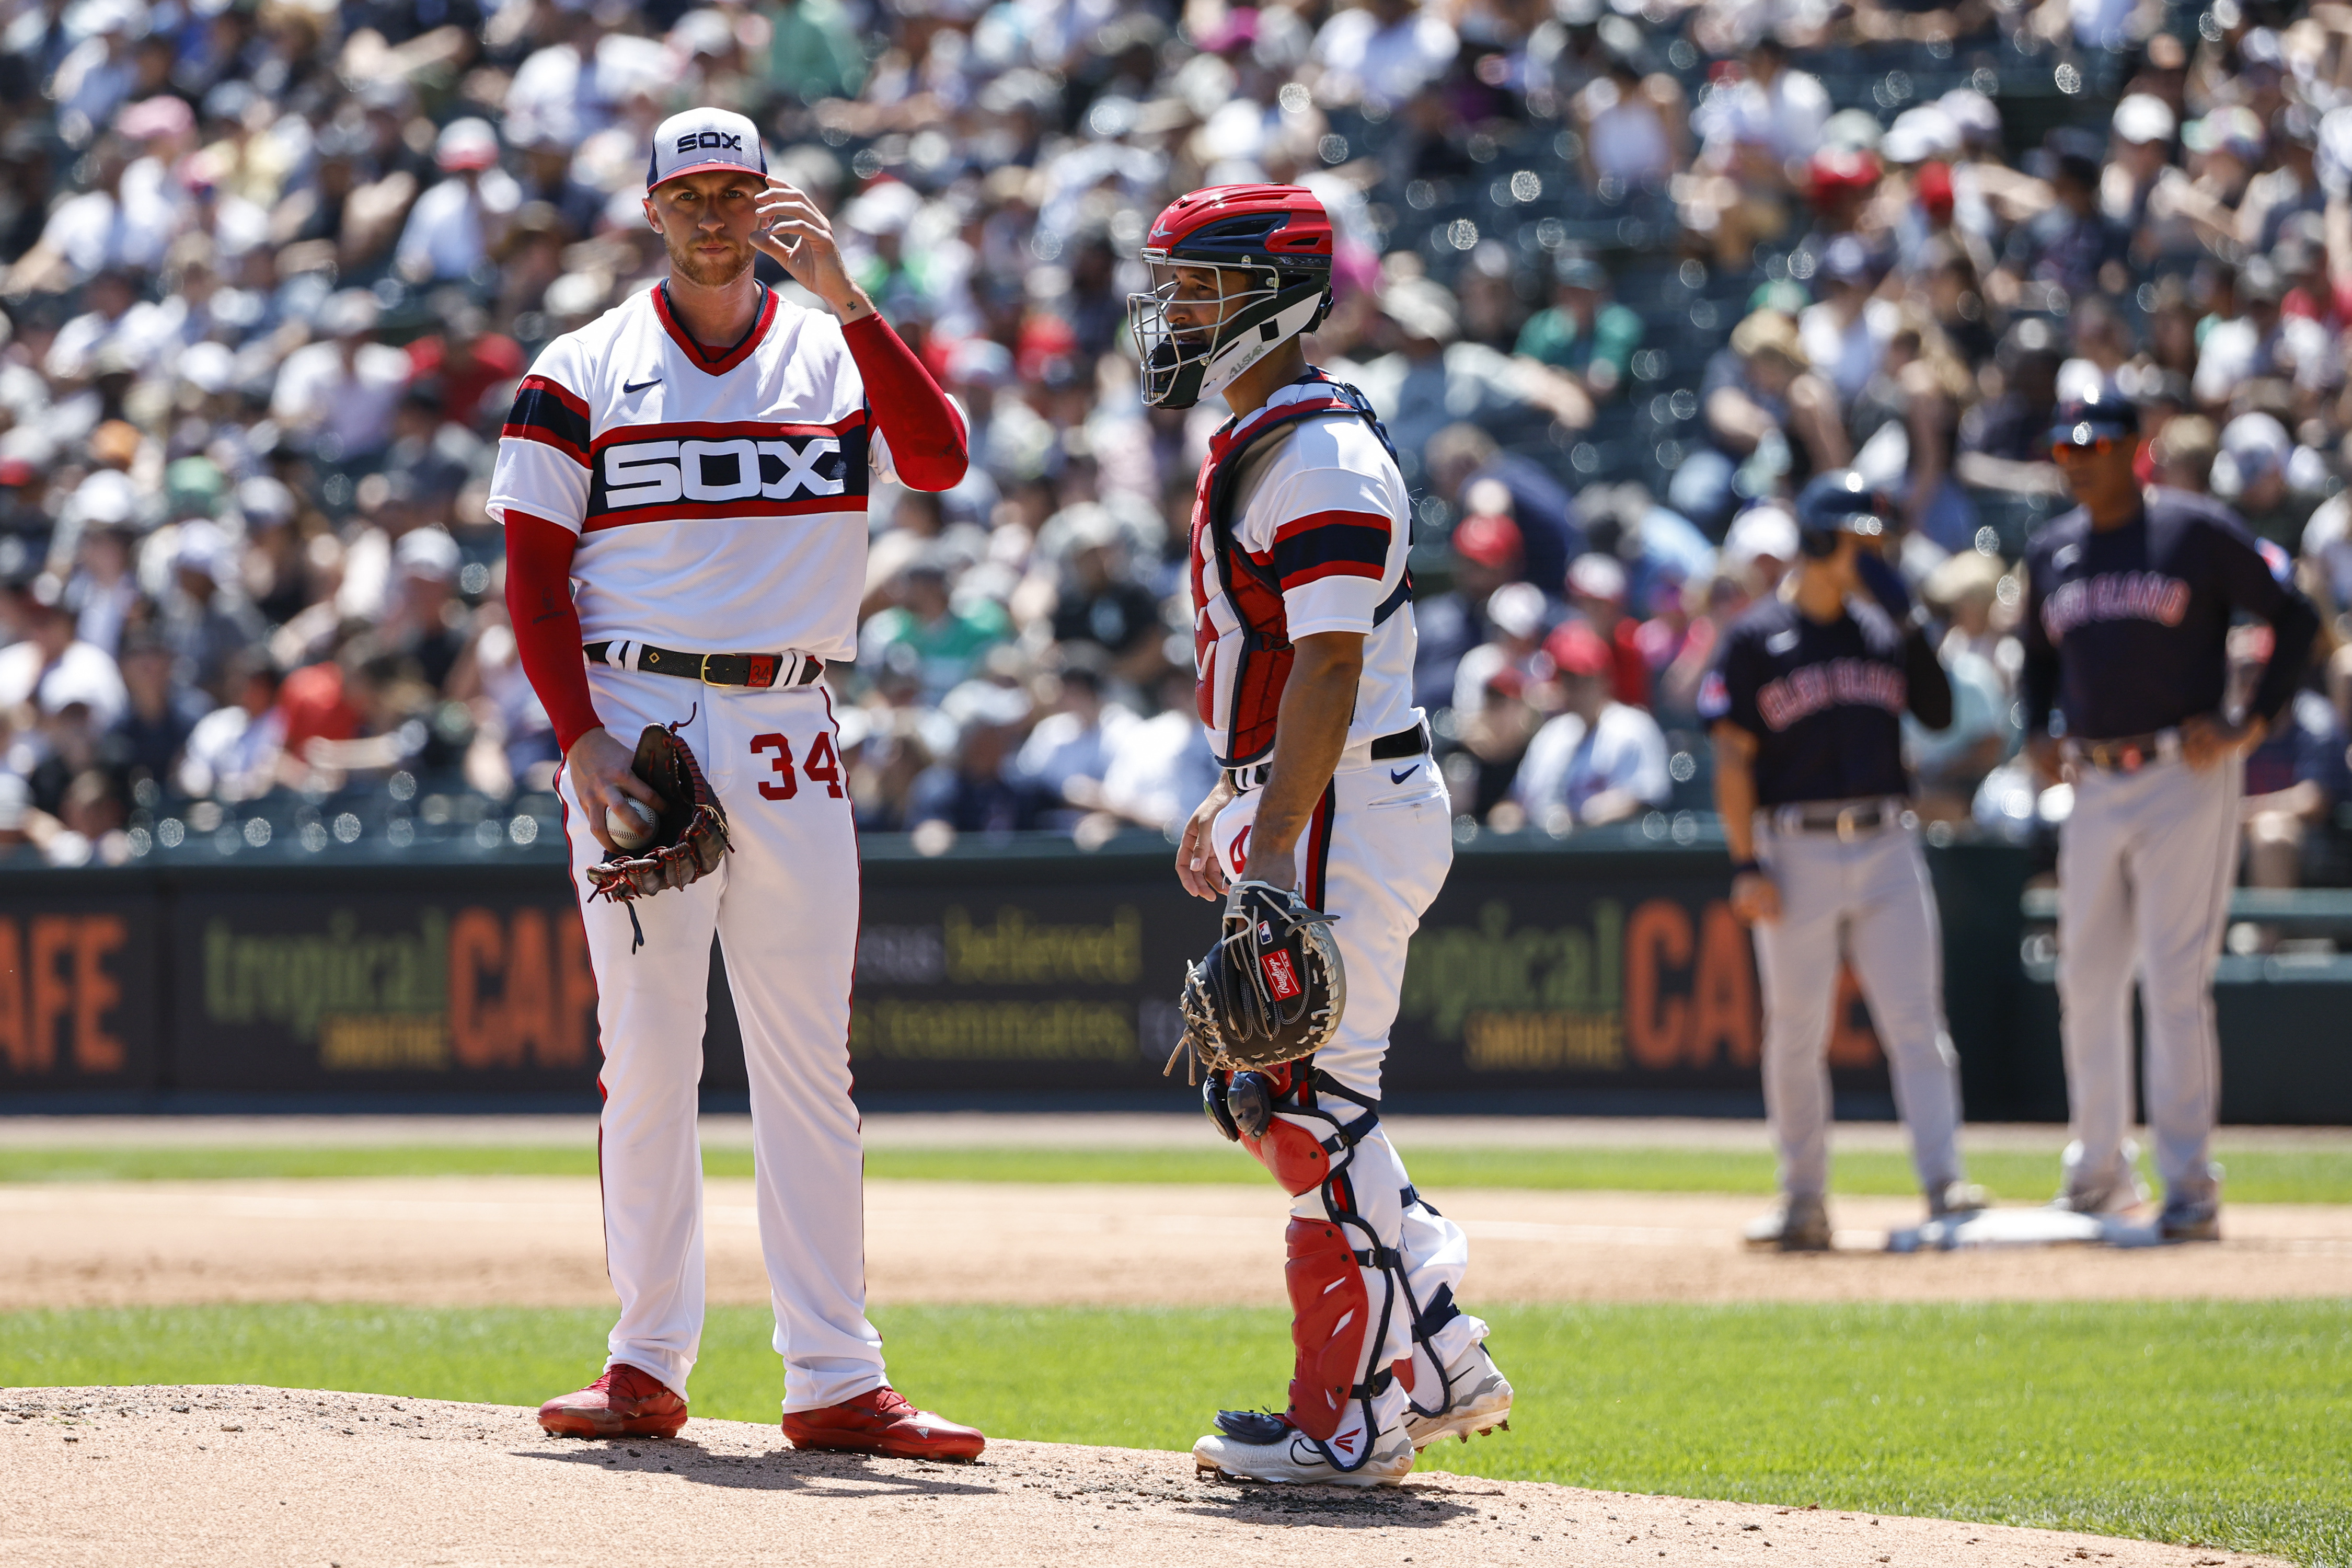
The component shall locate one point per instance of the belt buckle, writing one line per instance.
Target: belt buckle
(1846, 831)
(702, 670)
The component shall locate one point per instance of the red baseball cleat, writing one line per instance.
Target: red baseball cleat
(624, 1402)
(880, 1421)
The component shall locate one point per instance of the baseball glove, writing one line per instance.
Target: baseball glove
(689, 835)
(1272, 989)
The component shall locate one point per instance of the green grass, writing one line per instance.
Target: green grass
(2213, 1423)
(2256, 1175)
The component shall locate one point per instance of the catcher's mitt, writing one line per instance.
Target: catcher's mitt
(689, 835)
(1271, 990)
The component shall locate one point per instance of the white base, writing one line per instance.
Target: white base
(2023, 1228)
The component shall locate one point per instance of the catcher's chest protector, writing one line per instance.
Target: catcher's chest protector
(1239, 702)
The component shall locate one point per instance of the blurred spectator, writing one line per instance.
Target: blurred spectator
(160, 714)
(1602, 759)
(2183, 454)
(1518, 617)
(339, 392)
(2005, 440)
(926, 634)
(978, 791)
(1583, 331)
(2295, 778)
(1161, 767)
(2250, 472)
(52, 669)
(205, 619)
(1068, 752)
(1486, 554)
(1769, 423)
(1949, 764)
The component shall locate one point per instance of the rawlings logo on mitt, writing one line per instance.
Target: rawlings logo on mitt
(1272, 989)
(689, 835)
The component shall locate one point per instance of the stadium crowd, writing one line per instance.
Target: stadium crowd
(1621, 274)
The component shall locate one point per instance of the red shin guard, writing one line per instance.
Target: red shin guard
(1329, 1320)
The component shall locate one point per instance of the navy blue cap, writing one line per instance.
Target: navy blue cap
(2093, 412)
(1839, 502)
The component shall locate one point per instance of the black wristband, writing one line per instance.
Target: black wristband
(1742, 867)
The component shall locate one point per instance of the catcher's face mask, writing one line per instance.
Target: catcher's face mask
(1201, 326)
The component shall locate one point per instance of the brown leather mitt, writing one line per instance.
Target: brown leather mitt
(689, 835)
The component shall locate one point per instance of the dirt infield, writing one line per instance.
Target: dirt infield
(237, 1476)
(537, 1241)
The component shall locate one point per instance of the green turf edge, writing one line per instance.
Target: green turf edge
(2255, 1176)
(2215, 1424)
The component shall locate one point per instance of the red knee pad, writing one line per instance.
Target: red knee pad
(1328, 1311)
(1293, 1154)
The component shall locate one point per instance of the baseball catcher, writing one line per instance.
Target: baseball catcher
(1327, 836)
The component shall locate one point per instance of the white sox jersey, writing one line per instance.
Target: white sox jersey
(720, 497)
(1321, 512)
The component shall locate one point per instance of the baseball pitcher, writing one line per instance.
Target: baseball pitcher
(683, 486)
(2128, 603)
(1330, 830)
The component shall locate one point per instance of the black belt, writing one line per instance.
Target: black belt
(2127, 754)
(1411, 743)
(754, 670)
(1848, 821)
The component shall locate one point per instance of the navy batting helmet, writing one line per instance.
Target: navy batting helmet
(1839, 502)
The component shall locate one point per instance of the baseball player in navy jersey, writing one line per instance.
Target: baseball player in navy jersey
(683, 486)
(2128, 609)
(1806, 698)
(1304, 647)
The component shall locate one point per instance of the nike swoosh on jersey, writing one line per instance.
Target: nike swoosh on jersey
(1400, 775)
(629, 387)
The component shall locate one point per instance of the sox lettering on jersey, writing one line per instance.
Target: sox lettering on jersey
(748, 470)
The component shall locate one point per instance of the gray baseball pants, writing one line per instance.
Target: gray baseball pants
(1868, 900)
(2145, 864)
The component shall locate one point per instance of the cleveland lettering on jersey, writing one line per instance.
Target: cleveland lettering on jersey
(1824, 700)
(2143, 613)
(1806, 692)
(2116, 596)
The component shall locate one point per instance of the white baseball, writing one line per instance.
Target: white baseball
(631, 824)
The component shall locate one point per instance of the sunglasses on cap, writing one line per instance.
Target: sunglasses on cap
(2085, 446)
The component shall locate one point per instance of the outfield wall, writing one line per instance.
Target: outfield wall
(1563, 978)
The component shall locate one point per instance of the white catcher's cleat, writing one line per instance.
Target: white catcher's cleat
(1479, 1401)
(1250, 1445)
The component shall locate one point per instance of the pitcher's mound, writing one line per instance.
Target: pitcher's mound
(242, 1476)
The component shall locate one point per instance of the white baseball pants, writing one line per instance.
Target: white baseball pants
(1869, 900)
(1384, 840)
(783, 905)
(2145, 864)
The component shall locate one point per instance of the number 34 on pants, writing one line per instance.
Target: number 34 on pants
(822, 766)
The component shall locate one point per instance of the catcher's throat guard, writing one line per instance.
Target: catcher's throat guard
(1272, 989)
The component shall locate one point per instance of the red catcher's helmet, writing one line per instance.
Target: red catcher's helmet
(1271, 247)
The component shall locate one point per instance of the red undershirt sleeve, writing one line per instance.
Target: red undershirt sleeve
(928, 445)
(546, 623)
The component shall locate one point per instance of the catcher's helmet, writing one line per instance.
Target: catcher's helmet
(1270, 248)
(1839, 502)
